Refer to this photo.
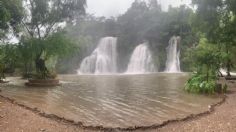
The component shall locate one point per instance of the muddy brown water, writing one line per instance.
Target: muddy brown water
(113, 101)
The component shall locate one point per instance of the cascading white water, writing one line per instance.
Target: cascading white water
(103, 60)
(173, 53)
(141, 60)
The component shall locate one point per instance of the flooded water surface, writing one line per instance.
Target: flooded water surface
(113, 101)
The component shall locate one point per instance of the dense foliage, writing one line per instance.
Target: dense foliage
(43, 35)
(11, 14)
(50, 49)
(143, 21)
(206, 60)
(8, 59)
(215, 19)
(198, 83)
(38, 24)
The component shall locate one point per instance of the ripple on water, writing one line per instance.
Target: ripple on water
(113, 101)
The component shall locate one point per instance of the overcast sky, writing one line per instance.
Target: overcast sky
(115, 7)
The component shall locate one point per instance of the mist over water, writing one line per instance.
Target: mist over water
(141, 60)
(103, 60)
(173, 53)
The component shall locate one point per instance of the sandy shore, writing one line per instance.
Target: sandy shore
(14, 118)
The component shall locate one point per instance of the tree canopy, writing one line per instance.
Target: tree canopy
(42, 31)
(143, 21)
(11, 14)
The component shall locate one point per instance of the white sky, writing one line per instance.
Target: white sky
(115, 7)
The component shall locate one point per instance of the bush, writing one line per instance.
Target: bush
(198, 83)
(206, 59)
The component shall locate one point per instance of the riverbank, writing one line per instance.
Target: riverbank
(222, 119)
(14, 118)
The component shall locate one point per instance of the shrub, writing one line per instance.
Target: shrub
(198, 83)
(207, 61)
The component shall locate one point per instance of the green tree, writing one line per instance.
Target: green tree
(143, 21)
(43, 23)
(11, 13)
(207, 62)
(8, 59)
(216, 19)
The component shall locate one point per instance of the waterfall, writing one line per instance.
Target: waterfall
(103, 60)
(173, 53)
(141, 60)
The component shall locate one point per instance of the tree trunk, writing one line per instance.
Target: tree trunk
(41, 68)
(228, 66)
(207, 74)
(228, 63)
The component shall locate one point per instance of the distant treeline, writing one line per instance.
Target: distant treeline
(143, 21)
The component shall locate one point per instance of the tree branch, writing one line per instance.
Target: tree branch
(30, 32)
(48, 30)
(38, 29)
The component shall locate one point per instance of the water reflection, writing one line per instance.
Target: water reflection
(113, 101)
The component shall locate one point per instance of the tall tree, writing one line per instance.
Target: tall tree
(11, 13)
(43, 19)
(216, 19)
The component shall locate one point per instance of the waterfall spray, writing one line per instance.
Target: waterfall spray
(173, 53)
(141, 60)
(103, 60)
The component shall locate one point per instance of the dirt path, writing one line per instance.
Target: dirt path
(14, 118)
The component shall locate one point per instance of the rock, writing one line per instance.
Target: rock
(210, 108)
(43, 130)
